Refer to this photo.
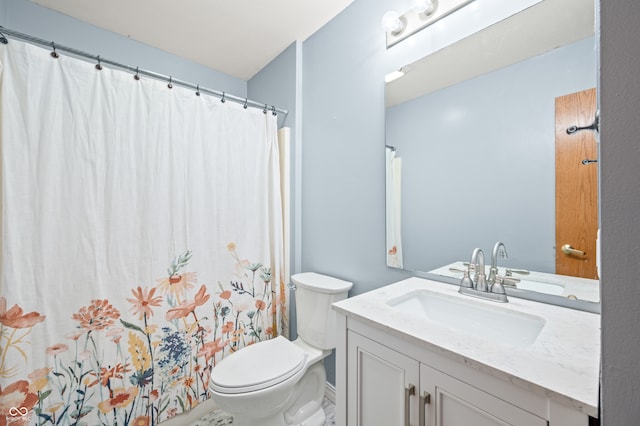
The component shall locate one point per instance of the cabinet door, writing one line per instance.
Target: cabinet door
(379, 383)
(455, 403)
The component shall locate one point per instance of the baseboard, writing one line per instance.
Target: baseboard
(330, 392)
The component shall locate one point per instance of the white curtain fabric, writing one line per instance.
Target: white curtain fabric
(284, 147)
(394, 209)
(141, 241)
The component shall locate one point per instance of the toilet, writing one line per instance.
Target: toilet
(278, 382)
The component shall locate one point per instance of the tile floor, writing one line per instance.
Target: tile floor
(220, 418)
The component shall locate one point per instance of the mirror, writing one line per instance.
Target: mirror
(471, 144)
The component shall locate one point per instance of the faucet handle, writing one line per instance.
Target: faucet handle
(466, 280)
(498, 286)
(471, 266)
(510, 271)
(507, 280)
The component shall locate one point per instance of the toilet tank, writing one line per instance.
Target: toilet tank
(314, 294)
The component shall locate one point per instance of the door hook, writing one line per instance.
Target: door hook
(593, 126)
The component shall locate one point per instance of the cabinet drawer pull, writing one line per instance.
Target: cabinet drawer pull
(425, 399)
(408, 393)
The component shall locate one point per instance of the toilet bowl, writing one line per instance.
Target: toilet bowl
(278, 382)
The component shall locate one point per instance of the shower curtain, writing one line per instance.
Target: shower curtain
(141, 241)
(394, 208)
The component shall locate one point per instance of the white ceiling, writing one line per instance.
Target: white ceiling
(236, 37)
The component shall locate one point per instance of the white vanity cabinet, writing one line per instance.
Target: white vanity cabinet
(395, 370)
(386, 387)
(400, 364)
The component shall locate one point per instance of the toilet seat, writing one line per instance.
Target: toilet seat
(258, 366)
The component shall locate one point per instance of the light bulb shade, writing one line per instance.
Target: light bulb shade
(392, 23)
(426, 7)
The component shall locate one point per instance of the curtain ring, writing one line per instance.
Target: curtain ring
(137, 76)
(273, 110)
(54, 54)
(264, 111)
(99, 65)
(198, 90)
(223, 100)
(170, 85)
(245, 103)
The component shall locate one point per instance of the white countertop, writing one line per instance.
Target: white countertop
(563, 363)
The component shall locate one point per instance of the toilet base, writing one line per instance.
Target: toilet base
(301, 404)
(309, 393)
(239, 421)
(316, 419)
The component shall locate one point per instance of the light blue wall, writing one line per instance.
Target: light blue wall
(35, 20)
(479, 156)
(275, 84)
(343, 156)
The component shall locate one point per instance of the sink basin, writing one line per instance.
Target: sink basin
(467, 315)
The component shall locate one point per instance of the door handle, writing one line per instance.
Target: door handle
(567, 249)
(408, 392)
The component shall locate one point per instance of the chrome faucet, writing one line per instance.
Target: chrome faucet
(478, 286)
(498, 249)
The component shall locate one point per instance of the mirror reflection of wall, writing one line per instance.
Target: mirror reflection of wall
(478, 161)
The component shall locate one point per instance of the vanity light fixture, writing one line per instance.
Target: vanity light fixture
(422, 14)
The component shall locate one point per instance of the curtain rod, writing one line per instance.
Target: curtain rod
(138, 71)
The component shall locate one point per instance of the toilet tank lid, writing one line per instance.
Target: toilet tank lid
(321, 283)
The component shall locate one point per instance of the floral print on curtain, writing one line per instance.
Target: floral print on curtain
(141, 241)
(143, 362)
